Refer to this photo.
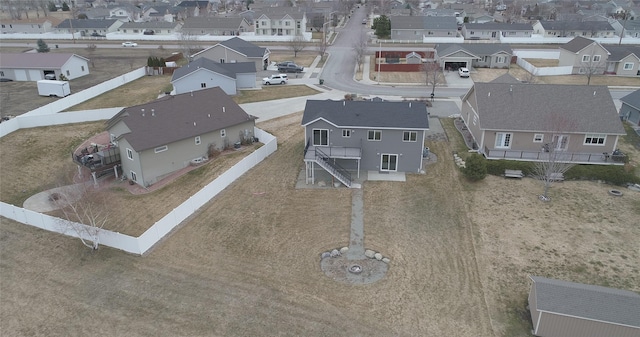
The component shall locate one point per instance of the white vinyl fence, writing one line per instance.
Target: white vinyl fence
(541, 54)
(139, 245)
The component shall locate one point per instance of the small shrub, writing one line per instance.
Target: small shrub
(476, 167)
(42, 46)
(497, 167)
(213, 151)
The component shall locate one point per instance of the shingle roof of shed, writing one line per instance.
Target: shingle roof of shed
(533, 107)
(587, 301)
(632, 99)
(392, 115)
(226, 69)
(35, 60)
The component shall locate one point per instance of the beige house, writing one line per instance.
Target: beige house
(28, 26)
(584, 55)
(217, 26)
(236, 50)
(280, 21)
(529, 122)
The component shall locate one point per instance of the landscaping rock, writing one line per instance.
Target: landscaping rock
(378, 256)
(321, 183)
(386, 260)
(369, 253)
(325, 255)
(343, 250)
(335, 253)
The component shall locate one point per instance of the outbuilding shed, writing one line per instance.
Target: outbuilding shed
(35, 66)
(567, 309)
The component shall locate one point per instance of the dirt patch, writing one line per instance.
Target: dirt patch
(304, 58)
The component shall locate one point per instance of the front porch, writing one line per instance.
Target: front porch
(565, 157)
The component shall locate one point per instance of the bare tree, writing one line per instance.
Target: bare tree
(189, 44)
(555, 161)
(360, 48)
(322, 46)
(591, 64)
(297, 44)
(432, 75)
(84, 212)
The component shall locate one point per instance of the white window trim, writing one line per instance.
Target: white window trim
(415, 138)
(595, 136)
(389, 154)
(538, 135)
(346, 133)
(586, 58)
(134, 176)
(597, 58)
(161, 149)
(378, 132)
(313, 137)
(502, 146)
(198, 140)
(625, 66)
(129, 153)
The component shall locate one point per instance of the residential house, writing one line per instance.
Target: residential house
(630, 28)
(445, 12)
(124, 12)
(495, 30)
(88, 26)
(584, 55)
(623, 60)
(483, 18)
(527, 122)
(158, 138)
(28, 26)
(204, 73)
(347, 136)
(34, 66)
(567, 309)
(218, 26)
(630, 110)
(419, 27)
(236, 50)
(281, 21)
(162, 12)
(573, 28)
(150, 27)
(452, 56)
(192, 8)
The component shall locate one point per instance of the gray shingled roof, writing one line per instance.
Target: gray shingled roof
(617, 53)
(243, 47)
(392, 115)
(632, 99)
(173, 118)
(226, 69)
(88, 23)
(276, 13)
(478, 49)
(577, 25)
(499, 26)
(577, 44)
(587, 301)
(424, 22)
(150, 24)
(532, 107)
(212, 22)
(35, 60)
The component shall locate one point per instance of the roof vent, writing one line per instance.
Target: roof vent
(510, 88)
(223, 109)
(142, 112)
(489, 94)
(409, 104)
(594, 93)
(153, 112)
(209, 115)
(191, 93)
(344, 103)
(194, 123)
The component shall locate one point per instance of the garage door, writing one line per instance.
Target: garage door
(455, 65)
(21, 75)
(35, 75)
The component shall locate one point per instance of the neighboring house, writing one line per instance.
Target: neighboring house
(281, 21)
(630, 110)
(218, 26)
(236, 50)
(163, 12)
(150, 27)
(584, 55)
(204, 73)
(631, 28)
(419, 27)
(623, 60)
(459, 15)
(567, 309)
(519, 121)
(158, 138)
(574, 28)
(88, 26)
(124, 12)
(192, 8)
(484, 18)
(452, 56)
(34, 66)
(495, 30)
(363, 135)
(28, 26)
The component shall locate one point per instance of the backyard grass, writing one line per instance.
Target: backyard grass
(304, 58)
(268, 93)
(540, 63)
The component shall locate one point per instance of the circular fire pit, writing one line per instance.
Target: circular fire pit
(615, 193)
(355, 269)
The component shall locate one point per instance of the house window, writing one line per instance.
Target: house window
(2, 73)
(500, 59)
(503, 140)
(586, 58)
(129, 154)
(82, 68)
(287, 23)
(198, 141)
(134, 177)
(409, 136)
(203, 85)
(374, 135)
(346, 133)
(68, 73)
(221, 60)
(320, 137)
(160, 149)
(223, 133)
(596, 58)
(594, 139)
(538, 138)
(627, 66)
(263, 23)
(389, 162)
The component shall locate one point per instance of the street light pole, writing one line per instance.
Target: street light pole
(378, 61)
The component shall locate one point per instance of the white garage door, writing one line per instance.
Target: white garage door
(21, 75)
(35, 75)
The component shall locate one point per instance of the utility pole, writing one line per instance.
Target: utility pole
(378, 61)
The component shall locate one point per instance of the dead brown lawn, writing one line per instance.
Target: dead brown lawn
(540, 63)
(304, 58)
(249, 262)
(268, 93)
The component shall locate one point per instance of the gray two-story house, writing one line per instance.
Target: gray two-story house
(163, 136)
(630, 109)
(343, 137)
(420, 27)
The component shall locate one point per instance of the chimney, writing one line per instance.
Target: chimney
(594, 93)
(489, 95)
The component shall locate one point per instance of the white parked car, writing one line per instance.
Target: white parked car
(129, 44)
(463, 72)
(275, 79)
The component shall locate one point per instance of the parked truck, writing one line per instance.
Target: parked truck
(53, 88)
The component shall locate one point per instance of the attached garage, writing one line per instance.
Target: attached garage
(455, 65)
(568, 309)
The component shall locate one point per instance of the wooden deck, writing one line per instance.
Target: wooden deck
(337, 152)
